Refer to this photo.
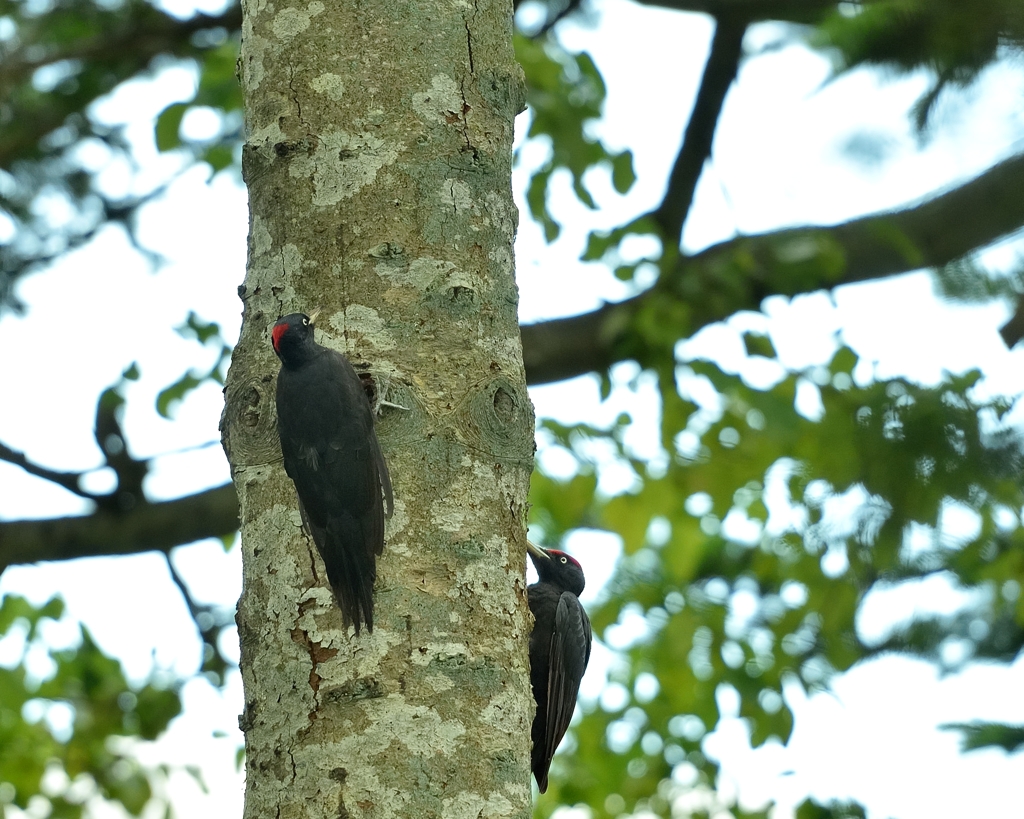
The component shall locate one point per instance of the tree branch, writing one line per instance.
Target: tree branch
(146, 527)
(797, 11)
(719, 73)
(740, 273)
(1013, 330)
(67, 480)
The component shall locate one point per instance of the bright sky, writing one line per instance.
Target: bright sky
(780, 158)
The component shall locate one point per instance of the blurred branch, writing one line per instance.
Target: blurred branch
(146, 527)
(740, 273)
(800, 11)
(67, 480)
(719, 73)
(208, 620)
(1013, 330)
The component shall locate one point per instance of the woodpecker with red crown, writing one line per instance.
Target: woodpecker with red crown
(559, 651)
(332, 455)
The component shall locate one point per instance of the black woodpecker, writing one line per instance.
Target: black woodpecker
(332, 455)
(559, 651)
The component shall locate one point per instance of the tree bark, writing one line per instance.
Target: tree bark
(378, 160)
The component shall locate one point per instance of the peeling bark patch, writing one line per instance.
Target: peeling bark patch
(500, 709)
(261, 239)
(358, 318)
(447, 654)
(393, 720)
(420, 273)
(439, 682)
(349, 163)
(291, 21)
(480, 577)
(317, 655)
(291, 259)
(458, 194)
(363, 688)
(475, 805)
(442, 103)
(329, 84)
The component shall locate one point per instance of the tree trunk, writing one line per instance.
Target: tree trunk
(378, 160)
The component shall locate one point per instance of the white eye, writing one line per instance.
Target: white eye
(305, 321)
(563, 560)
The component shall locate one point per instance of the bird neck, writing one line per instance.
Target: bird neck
(561, 584)
(296, 354)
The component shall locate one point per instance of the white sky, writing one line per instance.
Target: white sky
(778, 160)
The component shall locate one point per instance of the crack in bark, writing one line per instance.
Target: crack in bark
(463, 116)
(339, 775)
(317, 654)
(295, 95)
(310, 547)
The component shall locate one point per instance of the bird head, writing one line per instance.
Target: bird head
(292, 337)
(557, 567)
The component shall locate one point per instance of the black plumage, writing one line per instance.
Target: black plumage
(332, 455)
(559, 651)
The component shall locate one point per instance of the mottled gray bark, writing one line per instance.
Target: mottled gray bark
(378, 160)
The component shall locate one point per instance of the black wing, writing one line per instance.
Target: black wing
(568, 658)
(336, 463)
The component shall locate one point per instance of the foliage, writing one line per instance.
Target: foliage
(565, 93)
(989, 735)
(57, 59)
(751, 554)
(955, 41)
(69, 730)
(205, 333)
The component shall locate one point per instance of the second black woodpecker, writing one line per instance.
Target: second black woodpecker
(559, 651)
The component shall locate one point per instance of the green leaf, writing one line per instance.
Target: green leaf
(843, 361)
(219, 157)
(195, 328)
(758, 344)
(155, 708)
(565, 92)
(168, 126)
(811, 809)
(169, 396)
(975, 735)
(623, 175)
